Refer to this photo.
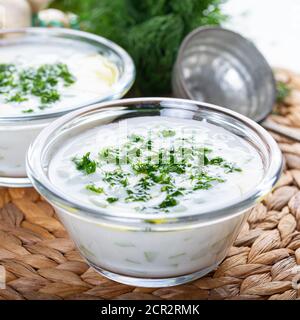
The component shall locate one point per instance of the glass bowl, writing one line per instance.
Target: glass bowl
(17, 132)
(151, 250)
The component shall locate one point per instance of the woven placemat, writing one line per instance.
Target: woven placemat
(41, 262)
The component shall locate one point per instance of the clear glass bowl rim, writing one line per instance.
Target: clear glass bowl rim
(118, 90)
(41, 182)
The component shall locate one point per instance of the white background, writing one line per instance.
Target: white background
(273, 25)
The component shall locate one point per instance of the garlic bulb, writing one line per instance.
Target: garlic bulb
(14, 14)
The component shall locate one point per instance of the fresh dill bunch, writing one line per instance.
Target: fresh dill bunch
(150, 30)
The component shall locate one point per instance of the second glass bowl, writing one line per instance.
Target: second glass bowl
(17, 132)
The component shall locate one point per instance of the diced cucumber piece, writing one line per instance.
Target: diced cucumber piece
(150, 255)
(132, 261)
(124, 244)
(177, 255)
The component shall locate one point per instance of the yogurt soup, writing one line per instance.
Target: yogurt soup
(58, 76)
(154, 165)
(44, 74)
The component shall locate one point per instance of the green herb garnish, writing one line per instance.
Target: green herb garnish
(204, 181)
(218, 161)
(48, 96)
(111, 155)
(230, 167)
(150, 168)
(85, 164)
(17, 97)
(140, 190)
(136, 138)
(168, 133)
(28, 111)
(18, 84)
(172, 193)
(169, 201)
(111, 199)
(116, 177)
(95, 189)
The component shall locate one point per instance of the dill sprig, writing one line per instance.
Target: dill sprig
(85, 164)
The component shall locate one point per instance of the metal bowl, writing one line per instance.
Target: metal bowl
(219, 66)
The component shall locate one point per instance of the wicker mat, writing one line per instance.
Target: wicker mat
(41, 262)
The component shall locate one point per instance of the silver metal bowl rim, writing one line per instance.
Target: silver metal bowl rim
(178, 70)
(43, 184)
(119, 89)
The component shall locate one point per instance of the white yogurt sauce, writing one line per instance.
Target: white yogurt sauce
(94, 77)
(94, 74)
(239, 171)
